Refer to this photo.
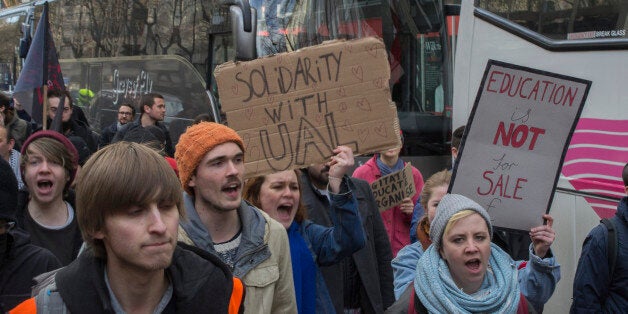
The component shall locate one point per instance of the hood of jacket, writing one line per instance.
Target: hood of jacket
(253, 248)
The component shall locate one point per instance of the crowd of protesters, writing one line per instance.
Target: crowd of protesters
(120, 221)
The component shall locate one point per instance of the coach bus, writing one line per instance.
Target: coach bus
(115, 50)
(582, 39)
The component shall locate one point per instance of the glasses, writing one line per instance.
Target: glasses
(124, 113)
(54, 109)
(4, 227)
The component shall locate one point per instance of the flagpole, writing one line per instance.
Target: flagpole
(45, 107)
(45, 72)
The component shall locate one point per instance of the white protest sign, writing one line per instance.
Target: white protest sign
(515, 142)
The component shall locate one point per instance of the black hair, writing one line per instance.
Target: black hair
(456, 137)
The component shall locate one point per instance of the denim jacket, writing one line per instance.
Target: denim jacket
(330, 245)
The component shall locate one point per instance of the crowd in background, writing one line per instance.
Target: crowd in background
(138, 225)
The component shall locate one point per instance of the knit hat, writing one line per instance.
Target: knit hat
(8, 191)
(449, 205)
(194, 144)
(61, 139)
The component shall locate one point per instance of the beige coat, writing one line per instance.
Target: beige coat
(269, 285)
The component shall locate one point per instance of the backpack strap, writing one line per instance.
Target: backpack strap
(611, 245)
(49, 300)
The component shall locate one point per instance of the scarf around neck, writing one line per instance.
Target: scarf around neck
(438, 292)
(385, 169)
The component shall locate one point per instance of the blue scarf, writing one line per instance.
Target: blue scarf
(303, 271)
(385, 170)
(438, 292)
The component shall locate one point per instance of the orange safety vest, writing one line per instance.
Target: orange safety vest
(235, 302)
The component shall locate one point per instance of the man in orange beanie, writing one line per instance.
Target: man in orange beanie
(210, 158)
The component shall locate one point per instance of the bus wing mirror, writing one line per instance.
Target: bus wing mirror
(25, 40)
(243, 28)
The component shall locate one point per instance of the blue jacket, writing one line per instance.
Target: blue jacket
(330, 245)
(417, 214)
(537, 279)
(372, 263)
(593, 289)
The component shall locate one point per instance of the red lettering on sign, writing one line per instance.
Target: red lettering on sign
(517, 136)
(501, 185)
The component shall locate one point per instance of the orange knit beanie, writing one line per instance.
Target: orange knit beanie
(194, 144)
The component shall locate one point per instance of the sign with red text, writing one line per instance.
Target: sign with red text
(292, 109)
(515, 142)
(390, 190)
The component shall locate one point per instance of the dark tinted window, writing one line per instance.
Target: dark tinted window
(565, 19)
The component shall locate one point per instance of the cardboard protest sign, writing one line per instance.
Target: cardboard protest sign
(391, 189)
(293, 109)
(515, 142)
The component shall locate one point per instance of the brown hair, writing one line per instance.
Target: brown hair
(116, 177)
(127, 104)
(58, 93)
(148, 100)
(438, 179)
(456, 137)
(252, 190)
(52, 150)
(9, 112)
(202, 117)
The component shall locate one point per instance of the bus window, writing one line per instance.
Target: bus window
(582, 39)
(178, 46)
(569, 20)
(414, 34)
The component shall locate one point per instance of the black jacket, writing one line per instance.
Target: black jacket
(138, 124)
(80, 129)
(22, 207)
(17, 269)
(107, 134)
(372, 261)
(201, 283)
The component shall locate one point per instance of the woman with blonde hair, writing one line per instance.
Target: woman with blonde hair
(463, 272)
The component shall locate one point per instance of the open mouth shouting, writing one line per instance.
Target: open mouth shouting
(45, 187)
(473, 265)
(232, 189)
(284, 212)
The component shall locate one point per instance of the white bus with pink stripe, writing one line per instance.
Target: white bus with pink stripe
(588, 41)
